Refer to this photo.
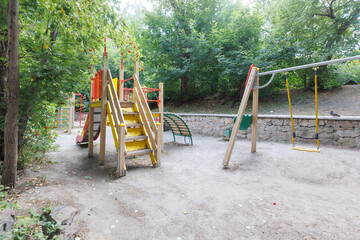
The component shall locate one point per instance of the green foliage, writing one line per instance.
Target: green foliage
(39, 135)
(178, 50)
(348, 71)
(36, 226)
(4, 204)
(54, 59)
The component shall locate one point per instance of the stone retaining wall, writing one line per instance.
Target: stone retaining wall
(338, 131)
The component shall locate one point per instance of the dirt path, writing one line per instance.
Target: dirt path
(191, 197)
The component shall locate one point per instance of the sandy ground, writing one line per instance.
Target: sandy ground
(275, 193)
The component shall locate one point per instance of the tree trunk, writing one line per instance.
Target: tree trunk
(2, 96)
(184, 88)
(12, 91)
(3, 67)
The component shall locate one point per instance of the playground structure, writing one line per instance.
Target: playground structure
(64, 114)
(132, 124)
(135, 129)
(252, 84)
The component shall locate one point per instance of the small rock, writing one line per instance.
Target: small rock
(65, 216)
(7, 220)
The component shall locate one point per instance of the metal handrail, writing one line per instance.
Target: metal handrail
(310, 65)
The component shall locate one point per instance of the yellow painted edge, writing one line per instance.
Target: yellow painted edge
(153, 159)
(95, 104)
(113, 130)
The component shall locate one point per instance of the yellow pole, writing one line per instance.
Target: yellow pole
(316, 110)
(289, 99)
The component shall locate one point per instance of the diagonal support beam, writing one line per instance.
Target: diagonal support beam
(239, 117)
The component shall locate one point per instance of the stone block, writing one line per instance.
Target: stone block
(7, 220)
(304, 123)
(312, 123)
(338, 125)
(329, 129)
(261, 121)
(277, 122)
(321, 122)
(288, 123)
(347, 142)
(228, 120)
(347, 133)
(268, 121)
(65, 216)
(357, 140)
(264, 136)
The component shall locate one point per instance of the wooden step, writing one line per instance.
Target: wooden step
(131, 113)
(134, 125)
(135, 138)
(138, 152)
(124, 104)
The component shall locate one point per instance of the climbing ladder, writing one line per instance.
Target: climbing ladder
(133, 127)
(137, 139)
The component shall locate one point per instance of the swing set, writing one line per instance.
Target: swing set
(252, 85)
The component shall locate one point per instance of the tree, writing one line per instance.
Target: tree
(12, 91)
(55, 38)
(300, 32)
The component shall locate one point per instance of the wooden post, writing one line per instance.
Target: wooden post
(136, 69)
(255, 107)
(103, 111)
(120, 166)
(158, 142)
(121, 84)
(91, 132)
(239, 117)
(161, 115)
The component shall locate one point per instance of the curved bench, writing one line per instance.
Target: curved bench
(178, 126)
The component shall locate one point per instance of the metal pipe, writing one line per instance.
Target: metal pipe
(265, 85)
(311, 65)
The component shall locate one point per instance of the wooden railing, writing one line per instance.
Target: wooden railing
(145, 114)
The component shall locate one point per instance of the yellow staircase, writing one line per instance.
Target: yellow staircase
(133, 127)
(136, 140)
